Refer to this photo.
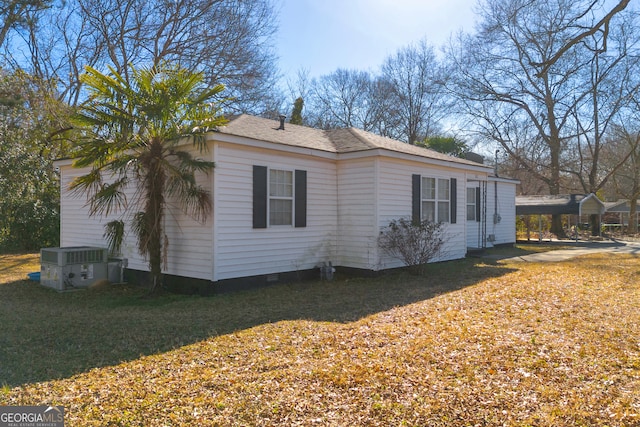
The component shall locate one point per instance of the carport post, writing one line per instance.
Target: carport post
(600, 225)
(540, 228)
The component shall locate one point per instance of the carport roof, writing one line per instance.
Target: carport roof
(564, 204)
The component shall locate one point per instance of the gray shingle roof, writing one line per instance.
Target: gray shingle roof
(622, 205)
(563, 204)
(334, 141)
(267, 130)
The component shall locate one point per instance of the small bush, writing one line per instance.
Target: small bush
(413, 243)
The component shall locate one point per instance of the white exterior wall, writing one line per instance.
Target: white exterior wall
(497, 232)
(76, 227)
(241, 250)
(357, 213)
(190, 249)
(505, 230)
(188, 253)
(395, 202)
(349, 200)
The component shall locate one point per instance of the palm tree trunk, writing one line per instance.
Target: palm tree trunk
(155, 212)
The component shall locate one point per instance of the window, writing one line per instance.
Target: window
(435, 199)
(471, 204)
(279, 197)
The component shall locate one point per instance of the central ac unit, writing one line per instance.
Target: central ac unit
(72, 267)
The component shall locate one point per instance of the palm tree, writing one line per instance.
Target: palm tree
(136, 135)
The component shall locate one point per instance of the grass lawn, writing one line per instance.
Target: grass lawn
(474, 342)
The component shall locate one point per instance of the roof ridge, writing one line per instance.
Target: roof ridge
(338, 140)
(434, 153)
(357, 133)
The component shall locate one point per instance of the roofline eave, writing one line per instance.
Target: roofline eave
(384, 152)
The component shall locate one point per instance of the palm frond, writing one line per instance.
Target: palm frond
(109, 198)
(140, 227)
(187, 162)
(198, 203)
(132, 130)
(114, 235)
(88, 184)
(195, 199)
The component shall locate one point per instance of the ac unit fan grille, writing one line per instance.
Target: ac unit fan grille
(85, 257)
(73, 255)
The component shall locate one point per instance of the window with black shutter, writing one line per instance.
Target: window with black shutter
(279, 197)
(433, 199)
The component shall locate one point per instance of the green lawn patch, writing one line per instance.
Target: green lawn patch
(470, 343)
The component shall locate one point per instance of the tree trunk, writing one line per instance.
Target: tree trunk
(633, 221)
(594, 221)
(556, 226)
(555, 145)
(154, 214)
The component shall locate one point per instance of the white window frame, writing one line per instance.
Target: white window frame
(276, 197)
(432, 202)
(473, 204)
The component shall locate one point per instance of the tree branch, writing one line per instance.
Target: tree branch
(604, 22)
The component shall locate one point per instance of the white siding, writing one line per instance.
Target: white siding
(395, 201)
(189, 252)
(504, 230)
(76, 227)
(500, 229)
(357, 225)
(349, 200)
(243, 251)
(190, 249)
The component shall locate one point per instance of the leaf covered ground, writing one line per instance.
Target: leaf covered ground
(469, 344)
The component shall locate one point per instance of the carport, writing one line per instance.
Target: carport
(563, 204)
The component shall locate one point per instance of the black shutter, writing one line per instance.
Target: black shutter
(477, 204)
(416, 198)
(301, 198)
(259, 196)
(453, 196)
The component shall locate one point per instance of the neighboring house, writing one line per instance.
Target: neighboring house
(621, 209)
(288, 198)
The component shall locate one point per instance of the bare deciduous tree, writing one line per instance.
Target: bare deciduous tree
(415, 80)
(626, 179)
(14, 14)
(602, 27)
(345, 98)
(229, 40)
(535, 103)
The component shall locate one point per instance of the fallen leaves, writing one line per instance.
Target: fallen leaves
(544, 344)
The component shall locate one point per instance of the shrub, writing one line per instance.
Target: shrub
(413, 243)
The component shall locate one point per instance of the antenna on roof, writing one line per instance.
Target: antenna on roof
(282, 117)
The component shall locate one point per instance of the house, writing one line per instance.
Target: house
(622, 209)
(288, 198)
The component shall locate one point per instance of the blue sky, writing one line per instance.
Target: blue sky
(323, 35)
